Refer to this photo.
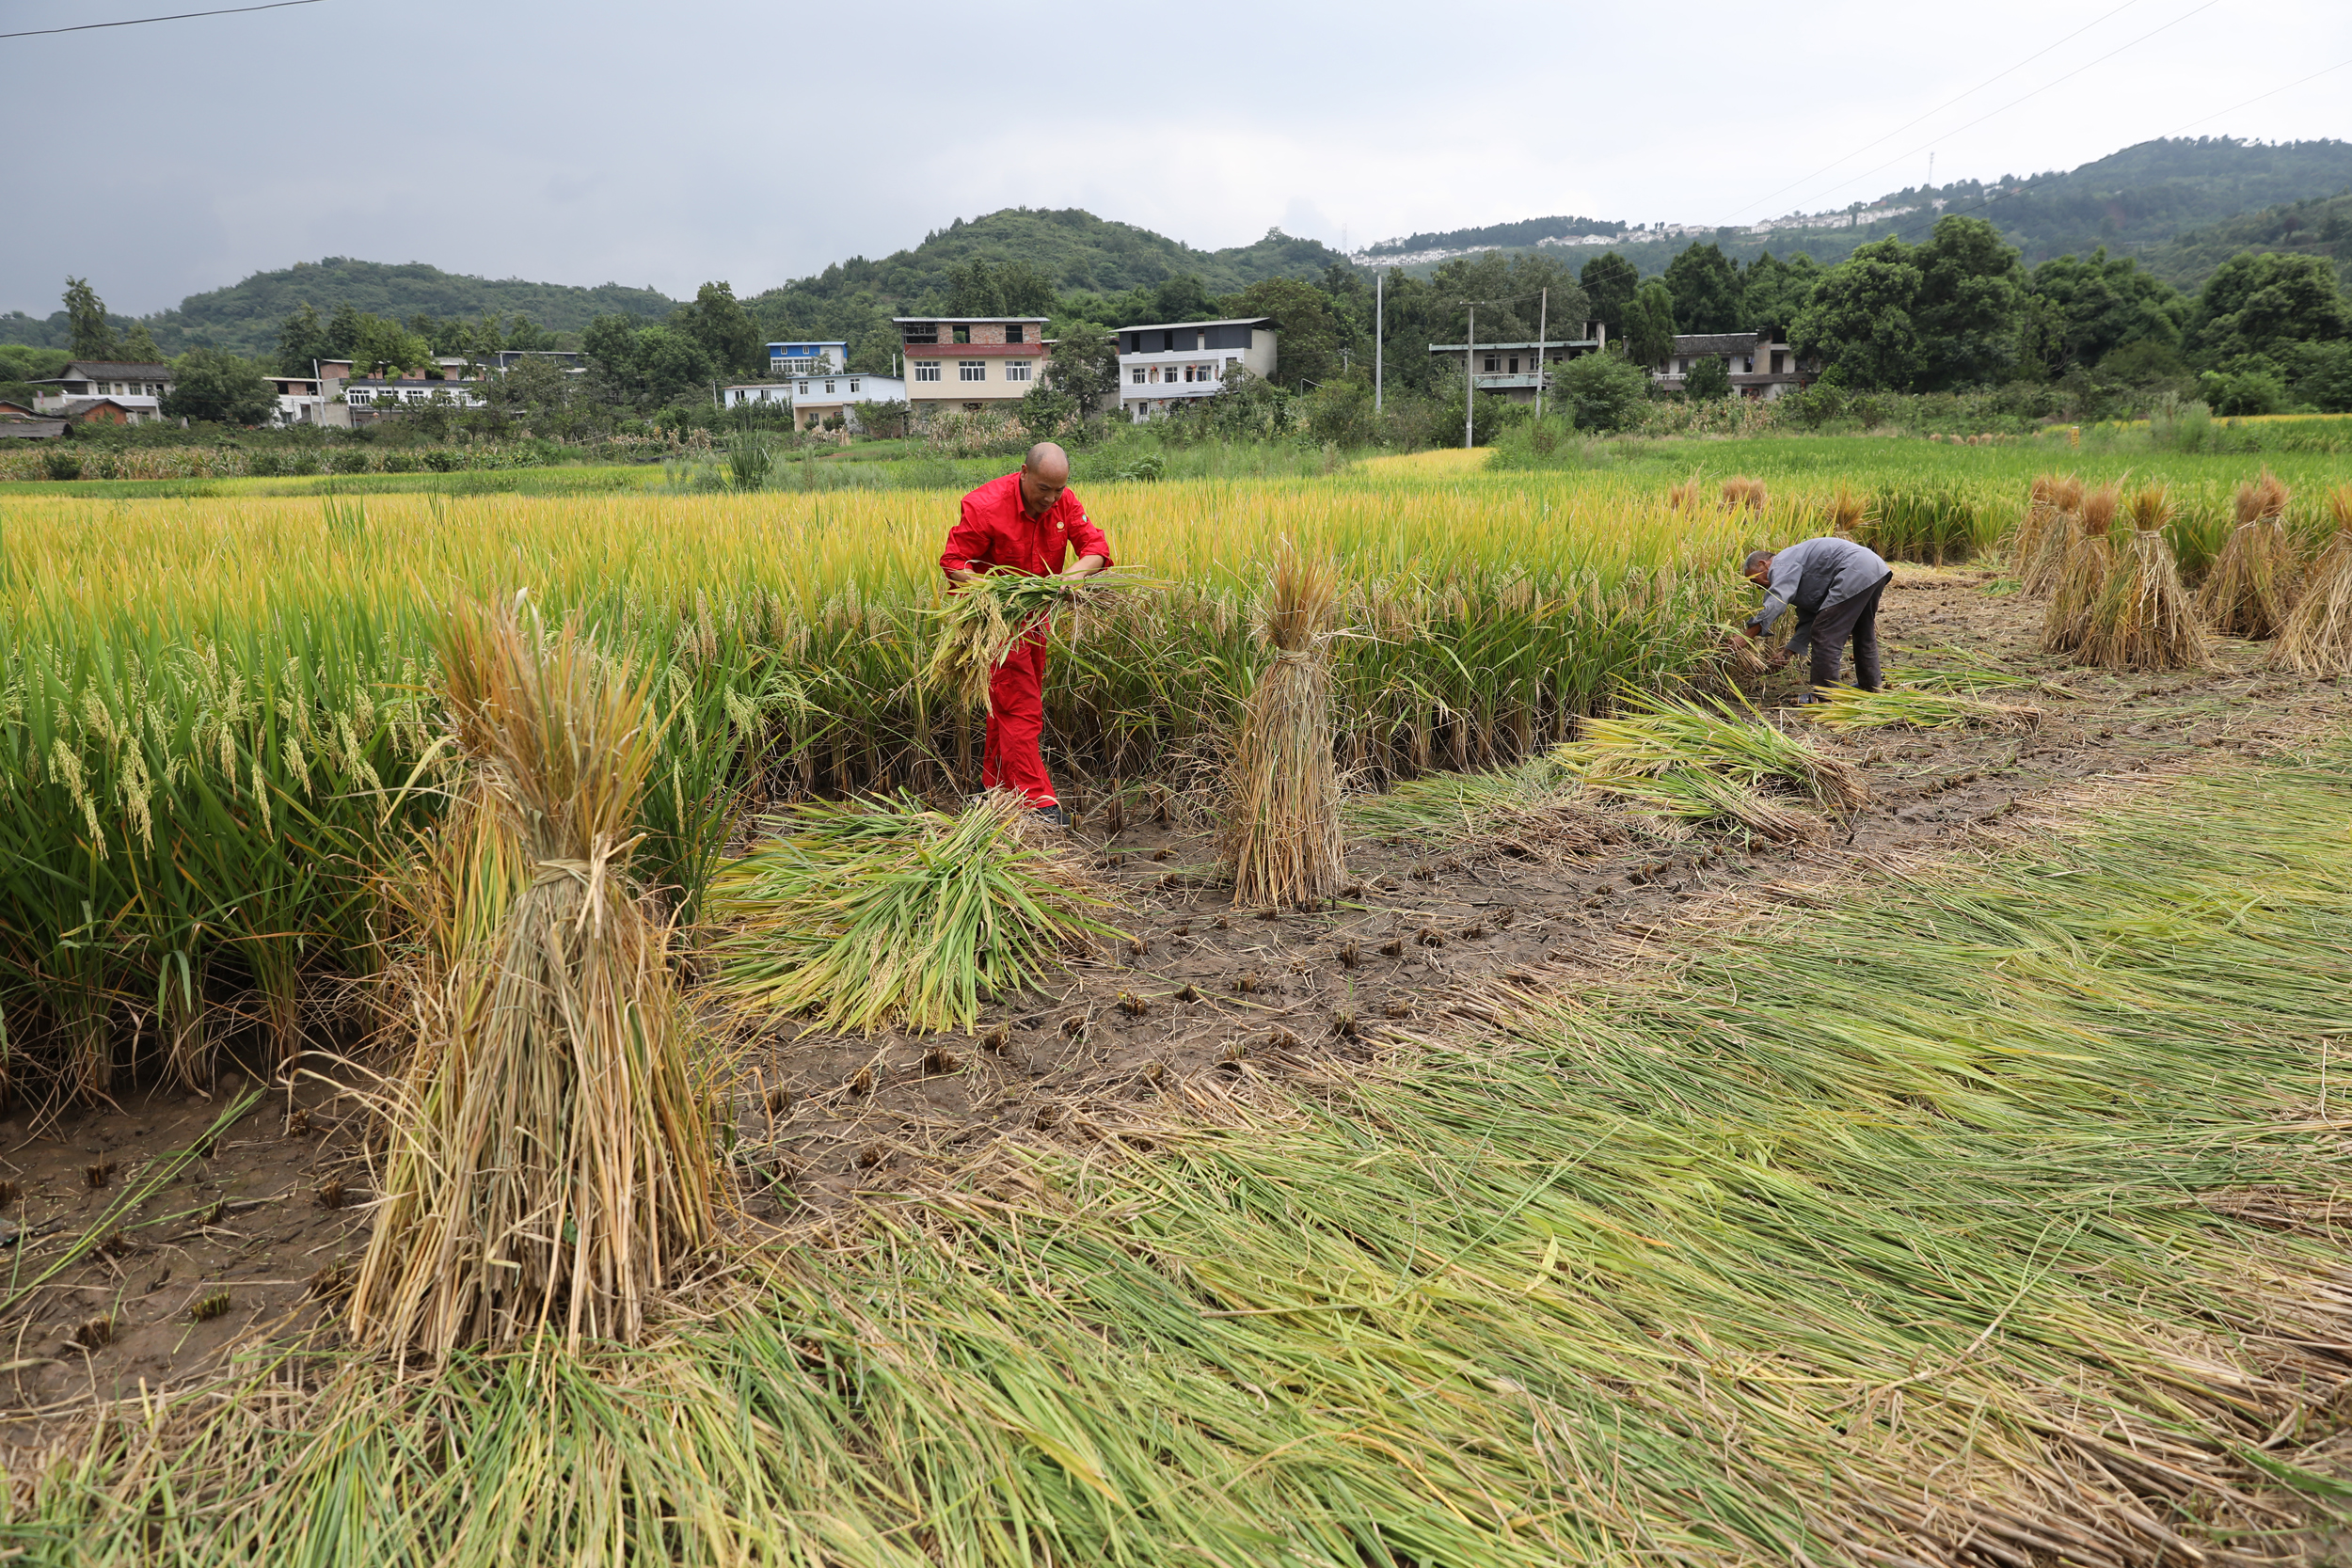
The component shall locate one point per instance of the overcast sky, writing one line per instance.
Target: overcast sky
(588, 141)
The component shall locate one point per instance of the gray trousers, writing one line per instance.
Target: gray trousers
(1827, 633)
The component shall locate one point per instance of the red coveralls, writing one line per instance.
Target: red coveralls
(995, 533)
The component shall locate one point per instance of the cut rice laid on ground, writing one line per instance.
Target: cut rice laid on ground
(2004, 1227)
(1682, 758)
(1848, 707)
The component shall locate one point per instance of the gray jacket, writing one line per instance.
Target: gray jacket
(1816, 575)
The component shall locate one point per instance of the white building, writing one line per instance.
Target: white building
(1511, 369)
(136, 387)
(1762, 365)
(807, 359)
(384, 394)
(310, 400)
(815, 398)
(1170, 364)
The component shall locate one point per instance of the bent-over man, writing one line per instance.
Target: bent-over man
(1027, 522)
(1833, 585)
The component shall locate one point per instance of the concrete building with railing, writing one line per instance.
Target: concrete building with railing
(1166, 365)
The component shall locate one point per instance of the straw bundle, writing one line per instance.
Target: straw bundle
(859, 914)
(2082, 572)
(1846, 509)
(2246, 592)
(549, 1155)
(1741, 491)
(2143, 618)
(2043, 516)
(2317, 637)
(1282, 835)
(1684, 497)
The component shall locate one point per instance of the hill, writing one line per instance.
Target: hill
(245, 316)
(2130, 201)
(2318, 226)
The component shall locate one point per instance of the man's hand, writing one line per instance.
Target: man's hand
(1777, 659)
(1085, 566)
(963, 576)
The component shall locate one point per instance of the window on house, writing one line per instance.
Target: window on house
(1018, 370)
(803, 388)
(971, 369)
(1139, 375)
(1515, 364)
(1749, 363)
(853, 389)
(828, 386)
(1491, 364)
(1780, 362)
(927, 369)
(923, 332)
(963, 334)
(1012, 334)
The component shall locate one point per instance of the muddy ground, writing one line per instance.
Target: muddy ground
(250, 1236)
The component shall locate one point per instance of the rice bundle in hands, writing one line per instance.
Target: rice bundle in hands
(2246, 592)
(983, 621)
(1678, 757)
(1282, 833)
(550, 1159)
(2082, 574)
(2143, 618)
(2317, 637)
(855, 916)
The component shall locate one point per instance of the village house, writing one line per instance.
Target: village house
(313, 399)
(1169, 364)
(1515, 370)
(375, 396)
(814, 399)
(786, 361)
(1762, 365)
(135, 389)
(970, 363)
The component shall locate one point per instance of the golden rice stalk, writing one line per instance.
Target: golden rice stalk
(2246, 592)
(2143, 619)
(2317, 637)
(1741, 491)
(2266, 495)
(2082, 572)
(1684, 497)
(550, 1159)
(2033, 530)
(1846, 509)
(1282, 832)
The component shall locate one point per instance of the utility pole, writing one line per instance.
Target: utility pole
(1379, 331)
(1469, 380)
(1543, 321)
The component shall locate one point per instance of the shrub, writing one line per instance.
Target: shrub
(57, 462)
(1601, 391)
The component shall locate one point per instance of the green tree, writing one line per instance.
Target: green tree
(1046, 411)
(2262, 303)
(1969, 306)
(2082, 308)
(1610, 282)
(220, 388)
(529, 336)
(975, 289)
(644, 367)
(86, 314)
(534, 392)
(1649, 326)
(1773, 293)
(1310, 336)
(343, 331)
(302, 342)
(1508, 289)
(139, 345)
(1707, 380)
(724, 331)
(1601, 391)
(1859, 323)
(1705, 287)
(1084, 364)
(1186, 298)
(387, 348)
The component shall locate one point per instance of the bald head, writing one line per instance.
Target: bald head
(1044, 475)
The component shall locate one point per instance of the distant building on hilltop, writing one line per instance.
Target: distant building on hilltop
(970, 363)
(1762, 365)
(1511, 370)
(1170, 364)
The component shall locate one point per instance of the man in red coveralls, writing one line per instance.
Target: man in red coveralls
(1024, 522)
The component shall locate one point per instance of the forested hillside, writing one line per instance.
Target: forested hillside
(2317, 227)
(245, 316)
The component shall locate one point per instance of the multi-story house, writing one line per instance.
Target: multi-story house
(971, 363)
(1511, 369)
(1762, 363)
(1166, 365)
(136, 389)
(817, 397)
(790, 361)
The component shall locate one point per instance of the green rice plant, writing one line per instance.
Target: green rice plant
(1680, 757)
(863, 914)
(549, 1161)
(751, 459)
(1934, 524)
(1848, 707)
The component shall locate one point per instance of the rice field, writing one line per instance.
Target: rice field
(222, 717)
(1871, 1257)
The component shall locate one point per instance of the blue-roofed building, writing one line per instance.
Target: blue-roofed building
(796, 359)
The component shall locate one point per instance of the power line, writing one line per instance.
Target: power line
(2259, 97)
(2036, 93)
(143, 21)
(1898, 130)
